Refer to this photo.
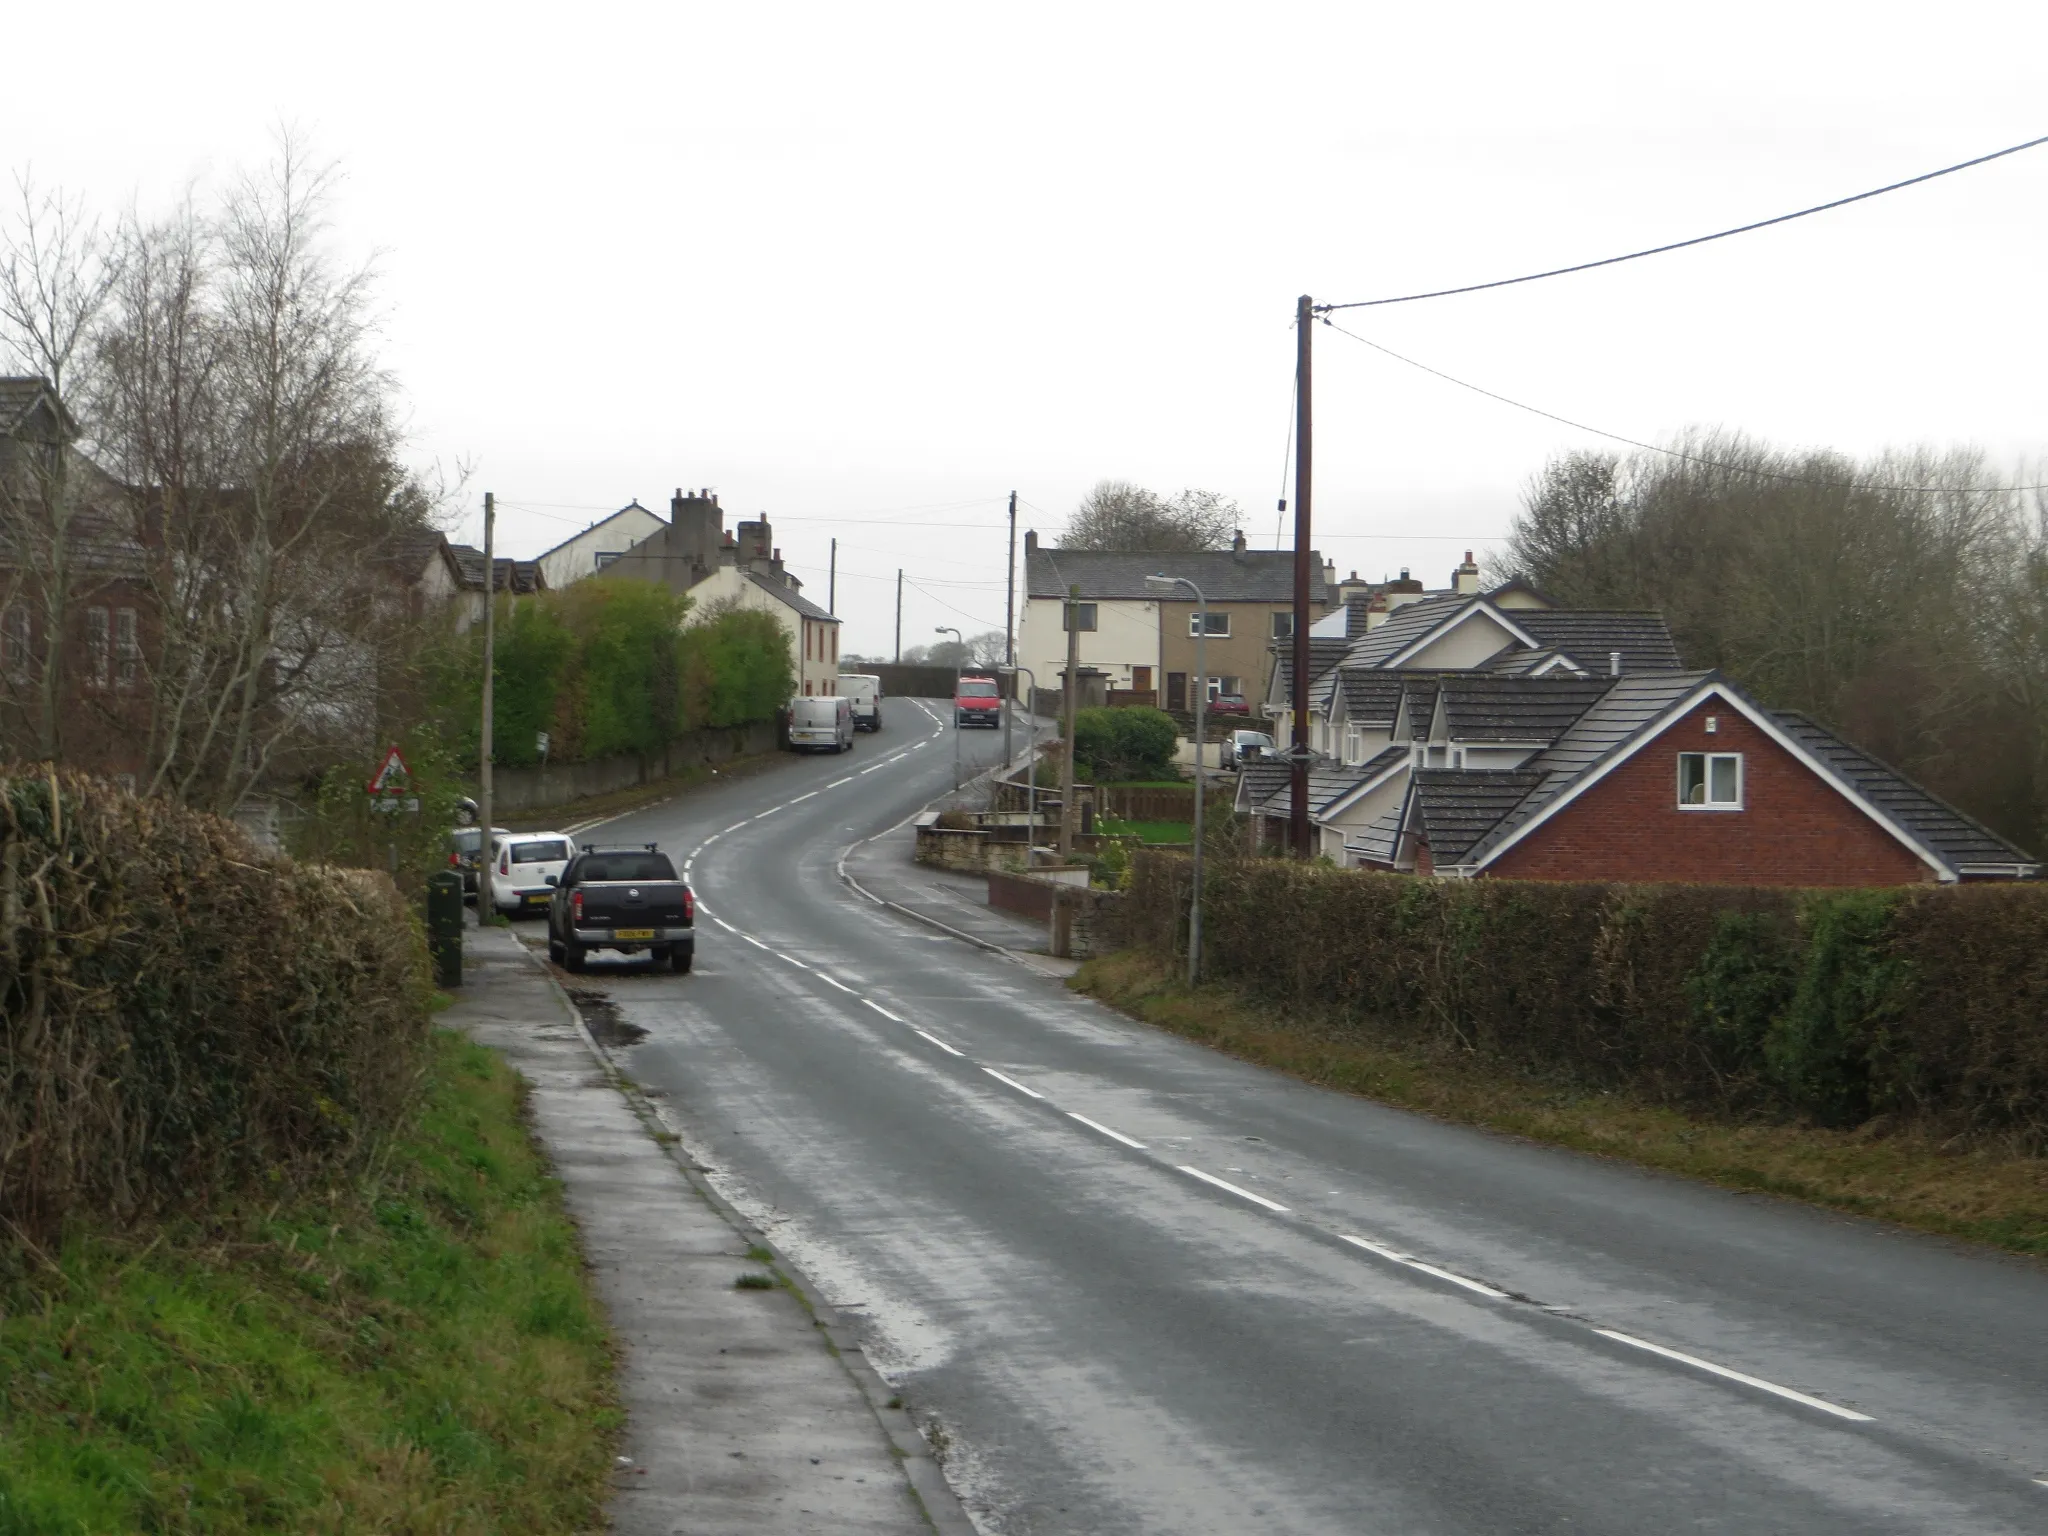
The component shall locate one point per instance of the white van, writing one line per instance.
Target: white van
(821, 724)
(865, 692)
(524, 868)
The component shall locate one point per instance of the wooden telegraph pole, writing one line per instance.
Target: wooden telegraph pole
(484, 813)
(1070, 695)
(1009, 634)
(1297, 817)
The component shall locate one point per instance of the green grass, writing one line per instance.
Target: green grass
(420, 1353)
(1147, 831)
(1988, 1194)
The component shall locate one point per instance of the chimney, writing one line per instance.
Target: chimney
(1030, 542)
(1237, 542)
(1465, 579)
(1329, 574)
(1375, 611)
(1614, 663)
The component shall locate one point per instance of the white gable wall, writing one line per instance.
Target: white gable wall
(1470, 643)
(577, 558)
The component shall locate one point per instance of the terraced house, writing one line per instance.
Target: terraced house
(1498, 734)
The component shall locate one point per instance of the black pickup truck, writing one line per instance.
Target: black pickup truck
(627, 899)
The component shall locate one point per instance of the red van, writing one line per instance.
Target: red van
(979, 702)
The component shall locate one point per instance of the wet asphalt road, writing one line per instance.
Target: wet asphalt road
(1138, 1287)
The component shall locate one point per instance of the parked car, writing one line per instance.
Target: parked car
(821, 724)
(524, 868)
(1229, 704)
(626, 899)
(978, 702)
(1241, 747)
(865, 693)
(465, 852)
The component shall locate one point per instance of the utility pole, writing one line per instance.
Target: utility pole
(1071, 691)
(1010, 631)
(832, 582)
(1297, 811)
(484, 907)
(899, 615)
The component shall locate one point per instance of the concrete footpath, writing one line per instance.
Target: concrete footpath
(747, 1411)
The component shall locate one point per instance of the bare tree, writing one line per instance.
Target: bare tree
(1117, 515)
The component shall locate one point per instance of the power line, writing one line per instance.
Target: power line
(962, 612)
(1673, 453)
(1679, 245)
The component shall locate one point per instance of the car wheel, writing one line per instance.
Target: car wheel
(555, 950)
(572, 957)
(680, 957)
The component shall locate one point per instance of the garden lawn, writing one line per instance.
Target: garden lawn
(417, 1354)
(1147, 831)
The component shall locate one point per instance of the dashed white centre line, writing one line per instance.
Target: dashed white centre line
(1242, 1194)
(871, 770)
(935, 1040)
(1748, 1381)
(1428, 1269)
(834, 981)
(885, 1013)
(801, 798)
(837, 782)
(767, 813)
(1032, 1092)
(1095, 1125)
(733, 828)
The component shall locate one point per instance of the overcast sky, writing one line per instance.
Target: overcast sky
(870, 268)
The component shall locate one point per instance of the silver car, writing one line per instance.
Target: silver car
(1241, 747)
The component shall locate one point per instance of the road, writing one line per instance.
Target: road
(1139, 1287)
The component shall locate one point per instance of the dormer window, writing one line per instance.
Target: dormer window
(1710, 781)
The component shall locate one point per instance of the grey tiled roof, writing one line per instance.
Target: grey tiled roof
(1370, 697)
(791, 596)
(1485, 706)
(1589, 635)
(1516, 662)
(17, 394)
(518, 576)
(1324, 652)
(1402, 628)
(1418, 695)
(1378, 841)
(1454, 808)
(1952, 836)
(1327, 781)
(1258, 780)
(1225, 576)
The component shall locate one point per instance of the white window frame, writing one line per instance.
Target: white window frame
(1707, 761)
(1283, 625)
(1214, 618)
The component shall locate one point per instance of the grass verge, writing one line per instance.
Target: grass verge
(1984, 1194)
(418, 1354)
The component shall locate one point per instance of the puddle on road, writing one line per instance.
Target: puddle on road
(601, 1018)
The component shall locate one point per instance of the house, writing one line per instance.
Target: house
(721, 571)
(597, 546)
(1142, 637)
(521, 578)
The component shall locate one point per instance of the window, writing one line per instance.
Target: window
(1218, 624)
(1710, 781)
(127, 653)
(606, 556)
(1084, 616)
(547, 851)
(1283, 625)
(98, 654)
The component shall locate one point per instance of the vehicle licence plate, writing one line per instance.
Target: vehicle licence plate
(632, 933)
(536, 901)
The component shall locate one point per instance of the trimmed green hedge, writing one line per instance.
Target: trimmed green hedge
(1125, 743)
(1922, 1003)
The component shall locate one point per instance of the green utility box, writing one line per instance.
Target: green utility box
(444, 926)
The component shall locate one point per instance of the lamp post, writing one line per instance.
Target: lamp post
(1201, 760)
(1031, 756)
(944, 629)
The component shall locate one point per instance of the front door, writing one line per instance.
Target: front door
(1141, 679)
(1176, 690)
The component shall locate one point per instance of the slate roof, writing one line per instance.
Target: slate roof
(1453, 807)
(17, 395)
(1327, 781)
(1964, 844)
(791, 596)
(1418, 694)
(1257, 781)
(1589, 635)
(1324, 652)
(517, 576)
(1516, 662)
(1370, 697)
(1403, 627)
(1377, 842)
(1485, 706)
(1225, 576)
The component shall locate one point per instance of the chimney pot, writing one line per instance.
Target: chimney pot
(1614, 663)
(1237, 542)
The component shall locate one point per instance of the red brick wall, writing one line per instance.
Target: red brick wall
(1794, 827)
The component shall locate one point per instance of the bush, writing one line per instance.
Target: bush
(1835, 1007)
(1133, 743)
(184, 1016)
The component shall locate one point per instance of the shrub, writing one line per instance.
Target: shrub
(1133, 743)
(184, 1016)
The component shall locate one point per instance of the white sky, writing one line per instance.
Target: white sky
(869, 268)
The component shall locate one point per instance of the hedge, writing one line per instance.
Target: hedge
(1922, 1004)
(182, 1017)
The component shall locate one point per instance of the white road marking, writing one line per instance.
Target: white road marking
(916, 744)
(767, 813)
(833, 981)
(871, 770)
(1095, 1125)
(1748, 1381)
(728, 927)
(792, 959)
(733, 828)
(754, 941)
(801, 798)
(885, 1013)
(1032, 1092)
(837, 782)
(935, 1040)
(1210, 1178)
(1428, 1269)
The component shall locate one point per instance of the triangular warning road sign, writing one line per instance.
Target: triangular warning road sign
(394, 768)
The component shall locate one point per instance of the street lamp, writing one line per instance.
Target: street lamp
(959, 657)
(1201, 760)
(1031, 757)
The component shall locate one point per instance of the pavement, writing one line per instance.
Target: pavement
(1124, 1283)
(747, 1411)
(882, 867)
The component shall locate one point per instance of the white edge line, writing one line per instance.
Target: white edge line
(801, 798)
(792, 959)
(752, 940)
(834, 981)
(837, 782)
(1032, 1092)
(1748, 1381)
(1210, 1178)
(885, 1013)
(1096, 1125)
(935, 1040)
(728, 927)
